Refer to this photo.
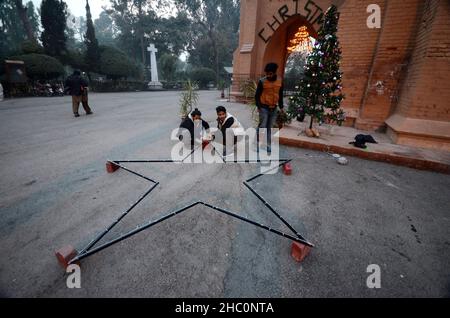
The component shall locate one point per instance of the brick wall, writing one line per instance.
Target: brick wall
(425, 92)
(358, 45)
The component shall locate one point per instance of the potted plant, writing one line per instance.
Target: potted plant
(221, 86)
(189, 98)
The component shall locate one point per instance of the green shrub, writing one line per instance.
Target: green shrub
(117, 86)
(203, 76)
(116, 65)
(75, 59)
(41, 66)
(29, 47)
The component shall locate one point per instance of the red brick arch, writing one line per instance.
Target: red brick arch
(276, 48)
(265, 26)
(390, 73)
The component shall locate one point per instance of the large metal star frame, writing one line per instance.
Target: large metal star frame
(90, 248)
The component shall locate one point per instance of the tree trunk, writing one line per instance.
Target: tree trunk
(217, 63)
(311, 123)
(141, 35)
(312, 115)
(26, 22)
(216, 53)
(143, 50)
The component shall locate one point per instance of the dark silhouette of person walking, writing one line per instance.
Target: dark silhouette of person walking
(77, 86)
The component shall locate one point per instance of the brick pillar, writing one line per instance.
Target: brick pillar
(245, 56)
(394, 47)
(422, 117)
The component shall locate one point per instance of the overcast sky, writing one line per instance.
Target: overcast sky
(77, 7)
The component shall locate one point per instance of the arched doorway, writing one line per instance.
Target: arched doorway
(266, 28)
(276, 49)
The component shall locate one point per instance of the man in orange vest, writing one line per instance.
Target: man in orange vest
(269, 96)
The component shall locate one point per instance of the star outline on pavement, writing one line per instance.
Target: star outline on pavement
(114, 165)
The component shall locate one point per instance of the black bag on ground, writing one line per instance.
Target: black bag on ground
(360, 141)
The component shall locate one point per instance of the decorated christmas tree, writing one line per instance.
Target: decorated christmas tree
(319, 92)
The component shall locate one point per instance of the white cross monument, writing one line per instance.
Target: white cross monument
(154, 84)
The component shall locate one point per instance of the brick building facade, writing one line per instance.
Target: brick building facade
(396, 77)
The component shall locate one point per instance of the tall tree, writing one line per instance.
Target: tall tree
(53, 20)
(75, 32)
(137, 23)
(168, 66)
(33, 17)
(133, 18)
(218, 21)
(140, 26)
(105, 29)
(80, 28)
(12, 30)
(173, 34)
(92, 57)
(23, 12)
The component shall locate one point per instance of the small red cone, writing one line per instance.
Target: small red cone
(299, 251)
(205, 143)
(65, 255)
(287, 169)
(111, 167)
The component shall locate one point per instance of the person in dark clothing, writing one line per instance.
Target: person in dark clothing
(77, 87)
(192, 125)
(226, 123)
(269, 96)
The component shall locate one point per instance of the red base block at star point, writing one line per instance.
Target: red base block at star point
(111, 167)
(205, 143)
(65, 255)
(287, 169)
(299, 251)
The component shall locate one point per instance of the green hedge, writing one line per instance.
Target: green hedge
(116, 65)
(203, 76)
(41, 66)
(117, 86)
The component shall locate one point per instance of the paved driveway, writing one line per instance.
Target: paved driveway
(54, 191)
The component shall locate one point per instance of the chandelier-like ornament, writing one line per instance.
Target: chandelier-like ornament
(301, 41)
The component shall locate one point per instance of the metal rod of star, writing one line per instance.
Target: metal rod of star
(267, 204)
(147, 161)
(130, 234)
(117, 163)
(223, 159)
(190, 154)
(265, 227)
(285, 161)
(172, 214)
(112, 225)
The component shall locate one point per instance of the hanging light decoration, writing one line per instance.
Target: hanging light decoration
(301, 41)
